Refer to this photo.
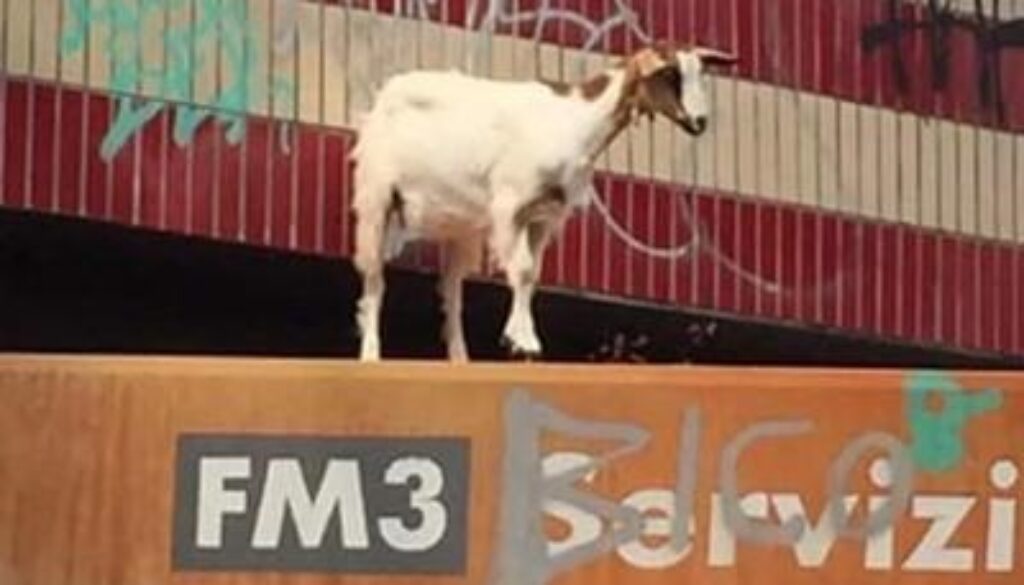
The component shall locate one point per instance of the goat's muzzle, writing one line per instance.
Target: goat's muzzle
(694, 126)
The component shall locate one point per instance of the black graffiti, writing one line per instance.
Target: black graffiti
(992, 35)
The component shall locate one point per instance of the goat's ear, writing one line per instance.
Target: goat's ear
(714, 57)
(651, 60)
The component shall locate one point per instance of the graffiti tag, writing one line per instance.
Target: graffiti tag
(217, 25)
(937, 430)
(538, 484)
(992, 36)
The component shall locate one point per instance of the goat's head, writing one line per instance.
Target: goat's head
(671, 81)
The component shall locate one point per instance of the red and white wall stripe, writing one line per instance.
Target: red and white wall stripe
(864, 171)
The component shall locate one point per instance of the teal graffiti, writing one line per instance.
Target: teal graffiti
(937, 433)
(217, 26)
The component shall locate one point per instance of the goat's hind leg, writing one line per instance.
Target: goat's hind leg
(463, 255)
(369, 260)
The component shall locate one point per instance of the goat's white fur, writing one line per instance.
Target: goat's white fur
(464, 156)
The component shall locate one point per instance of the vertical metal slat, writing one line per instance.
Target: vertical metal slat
(3, 102)
(58, 121)
(319, 212)
(29, 196)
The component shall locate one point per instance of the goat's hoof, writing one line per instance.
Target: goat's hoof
(522, 355)
(518, 353)
(527, 356)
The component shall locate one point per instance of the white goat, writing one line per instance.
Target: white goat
(453, 158)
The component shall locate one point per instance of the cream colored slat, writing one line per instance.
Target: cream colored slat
(506, 56)
(828, 153)
(72, 63)
(549, 59)
(432, 46)
(767, 139)
(662, 159)
(179, 20)
(422, 55)
(909, 158)
(889, 169)
(910, 169)
(360, 62)
(632, 157)
(967, 206)
(725, 136)
(746, 119)
(849, 177)
(336, 57)
(789, 154)
(1004, 187)
(929, 174)
(870, 162)
(99, 37)
(810, 143)
(948, 187)
(704, 153)
(260, 33)
(986, 187)
(526, 59)
(154, 53)
(18, 37)
(3, 35)
(311, 81)
(455, 43)
(207, 49)
(45, 38)
(282, 54)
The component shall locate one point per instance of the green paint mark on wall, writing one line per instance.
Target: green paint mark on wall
(216, 26)
(938, 410)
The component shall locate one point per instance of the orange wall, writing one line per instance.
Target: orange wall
(91, 480)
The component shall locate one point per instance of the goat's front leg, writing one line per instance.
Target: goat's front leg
(522, 272)
(519, 254)
(463, 254)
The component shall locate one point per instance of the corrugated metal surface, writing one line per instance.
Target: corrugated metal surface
(865, 169)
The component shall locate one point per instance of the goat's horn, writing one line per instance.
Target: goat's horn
(715, 57)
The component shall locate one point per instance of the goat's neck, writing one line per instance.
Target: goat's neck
(612, 111)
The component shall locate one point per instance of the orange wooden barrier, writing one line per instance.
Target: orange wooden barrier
(121, 471)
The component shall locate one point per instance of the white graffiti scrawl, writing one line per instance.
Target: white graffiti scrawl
(500, 13)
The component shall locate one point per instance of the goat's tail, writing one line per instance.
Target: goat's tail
(395, 234)
(361, 122)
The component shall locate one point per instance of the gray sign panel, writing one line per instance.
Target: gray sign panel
(321, 504)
